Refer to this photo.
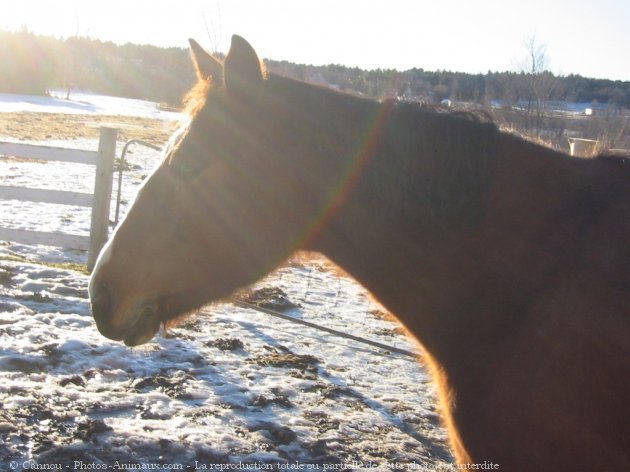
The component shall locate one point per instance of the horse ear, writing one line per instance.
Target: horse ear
(206, 65)
(243, 71)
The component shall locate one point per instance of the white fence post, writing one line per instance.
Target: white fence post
(102, 193)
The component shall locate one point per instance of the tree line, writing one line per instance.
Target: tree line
(33, 64)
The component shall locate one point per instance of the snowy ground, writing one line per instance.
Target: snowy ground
(231, 386)
(83, 103)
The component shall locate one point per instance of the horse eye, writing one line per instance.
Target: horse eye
(186, 170)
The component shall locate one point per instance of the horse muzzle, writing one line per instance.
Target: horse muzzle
(134, 324)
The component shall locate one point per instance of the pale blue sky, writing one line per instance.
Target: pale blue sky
(591, 38)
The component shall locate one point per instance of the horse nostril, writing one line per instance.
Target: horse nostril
(102, 302)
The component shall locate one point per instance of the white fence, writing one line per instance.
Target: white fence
(103, 159)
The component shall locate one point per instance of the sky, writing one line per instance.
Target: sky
(590, 38)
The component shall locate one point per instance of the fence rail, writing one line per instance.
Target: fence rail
(60, 197)
(100, 200)
(48, 153)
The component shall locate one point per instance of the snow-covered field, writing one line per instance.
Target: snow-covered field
(231, 387)
(84, 103)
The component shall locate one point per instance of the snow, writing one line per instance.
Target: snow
(84, 103)
(230, 386)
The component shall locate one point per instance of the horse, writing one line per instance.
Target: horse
(506, 260)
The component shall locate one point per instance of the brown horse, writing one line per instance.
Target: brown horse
(508, 261)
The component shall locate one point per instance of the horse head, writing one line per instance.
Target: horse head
(223, 208)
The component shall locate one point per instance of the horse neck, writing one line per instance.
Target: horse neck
(450, 285)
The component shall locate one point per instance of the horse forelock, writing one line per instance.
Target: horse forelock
(196, 97)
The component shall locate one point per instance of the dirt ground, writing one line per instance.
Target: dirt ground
(33, 126)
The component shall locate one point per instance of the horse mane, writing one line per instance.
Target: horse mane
(427, 154)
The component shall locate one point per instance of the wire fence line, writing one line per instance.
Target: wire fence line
(332, 331)
(315, 295)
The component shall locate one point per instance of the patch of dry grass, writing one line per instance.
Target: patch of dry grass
(44, 126)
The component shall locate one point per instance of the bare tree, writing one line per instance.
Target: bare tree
(213, 30)
(540, 81)
(69, 64)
